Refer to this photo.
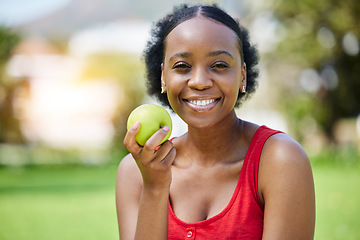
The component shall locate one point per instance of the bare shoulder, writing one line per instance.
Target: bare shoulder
(282, 150)
(128, 175)
(283, 159)
(127, 164)
(286, 189)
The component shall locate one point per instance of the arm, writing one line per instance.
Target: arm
(286, 188)
(128, 193)
(142, 188)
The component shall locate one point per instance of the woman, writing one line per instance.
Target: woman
(225, 178)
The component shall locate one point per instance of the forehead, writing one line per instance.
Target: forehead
(201, 33)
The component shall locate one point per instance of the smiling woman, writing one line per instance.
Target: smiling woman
(202, 63)
(154, 53)
(225, 177)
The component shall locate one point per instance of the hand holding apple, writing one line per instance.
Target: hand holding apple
(152, 117)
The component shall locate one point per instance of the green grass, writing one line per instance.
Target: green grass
(78, 202)
(337, 203)
(58, 203)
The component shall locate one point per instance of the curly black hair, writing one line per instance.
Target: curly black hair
(154, 51)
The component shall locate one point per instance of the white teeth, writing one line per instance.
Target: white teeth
(202, 102)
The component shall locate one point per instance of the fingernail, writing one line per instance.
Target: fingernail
(166, 128)
(136, 125)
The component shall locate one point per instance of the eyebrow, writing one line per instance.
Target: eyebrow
(212, 54)
(181, 54)
(217, 53)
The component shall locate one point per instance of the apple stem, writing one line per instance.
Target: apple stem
(161, 126)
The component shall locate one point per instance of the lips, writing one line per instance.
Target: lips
(202, 105)
(202, 102)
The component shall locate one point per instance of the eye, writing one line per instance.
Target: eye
(181, 65)
(220, 65)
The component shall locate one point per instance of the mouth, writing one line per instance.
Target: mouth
(202, 105)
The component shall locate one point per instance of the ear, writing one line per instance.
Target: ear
(243, 78)
(163, 84)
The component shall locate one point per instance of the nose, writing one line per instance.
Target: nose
(200, 80)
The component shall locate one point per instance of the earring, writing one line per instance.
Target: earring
(243, 90)
(162, 90)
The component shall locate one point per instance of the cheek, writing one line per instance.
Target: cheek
(174, 86)
(175, 82)
(231, 84)
(233, 94)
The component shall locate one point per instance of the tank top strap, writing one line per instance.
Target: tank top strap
(252, 159)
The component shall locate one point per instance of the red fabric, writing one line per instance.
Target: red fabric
(243, 217)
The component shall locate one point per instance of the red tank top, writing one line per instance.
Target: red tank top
(243, 217)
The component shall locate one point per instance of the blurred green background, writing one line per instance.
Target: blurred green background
(71, 71)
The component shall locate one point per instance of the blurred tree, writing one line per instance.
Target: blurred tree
(322, 44)
(9, 124)
(128, 73)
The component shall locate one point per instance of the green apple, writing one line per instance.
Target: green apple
(152, 117)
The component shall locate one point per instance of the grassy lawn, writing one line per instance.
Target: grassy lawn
(65, 202)
(337, 203)
(58, 203)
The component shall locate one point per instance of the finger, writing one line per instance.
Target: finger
(129, 139)
(164, 156)
(170, 158)
(154, 141)
(164, 149)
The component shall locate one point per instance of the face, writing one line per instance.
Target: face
(202, 71)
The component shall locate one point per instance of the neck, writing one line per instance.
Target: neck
(209, 146)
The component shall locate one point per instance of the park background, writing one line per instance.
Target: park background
(71, 71)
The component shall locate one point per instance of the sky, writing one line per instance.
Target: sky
(16, 12)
